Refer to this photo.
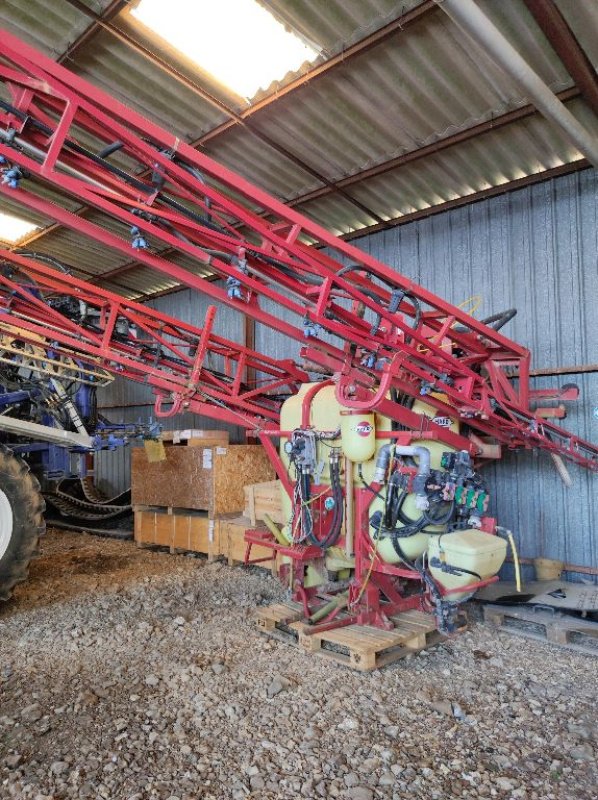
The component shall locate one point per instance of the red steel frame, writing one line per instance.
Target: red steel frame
(173, 357)
(56, 119)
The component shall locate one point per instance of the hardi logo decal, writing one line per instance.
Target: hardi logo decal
(364, 429)
(443, 422)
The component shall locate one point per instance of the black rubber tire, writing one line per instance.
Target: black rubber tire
(22, 490)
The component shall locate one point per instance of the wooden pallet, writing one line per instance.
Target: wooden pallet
(180, 529)
(261, 499)
(361, 647)
(575, 633)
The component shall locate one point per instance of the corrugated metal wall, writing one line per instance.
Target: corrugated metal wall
(535, 249)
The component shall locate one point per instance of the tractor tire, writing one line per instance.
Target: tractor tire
(21, 520)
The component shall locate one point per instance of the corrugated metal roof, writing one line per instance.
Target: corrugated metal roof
(261, 164)
(50, 27)
(336, 24)
(130, 78)
(414, 88)
(408, 92)
(525, 148)
(582, 18)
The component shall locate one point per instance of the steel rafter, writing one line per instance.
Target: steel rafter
(453, 139)
(554, 26)
(112, 11)
(394, 334)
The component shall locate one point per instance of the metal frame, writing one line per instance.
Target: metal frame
(554, 26)
(420, 344)
(173, 357)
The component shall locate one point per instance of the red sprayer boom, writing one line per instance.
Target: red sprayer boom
(389, 348)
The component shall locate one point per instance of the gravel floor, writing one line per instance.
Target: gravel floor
(130, 674)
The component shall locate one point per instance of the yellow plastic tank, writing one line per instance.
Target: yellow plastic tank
(470, 550)
(358, 435)
(326, 415)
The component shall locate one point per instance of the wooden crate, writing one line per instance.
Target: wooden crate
(200, 478)
(263, 498)
(361, 647)
(233, 544)
(194, 437)
(178, 529)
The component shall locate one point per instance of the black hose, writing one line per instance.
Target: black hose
(121, 173)
(306, 517)
(400, 294)
(430, 520)
(54, 262)
(495, 321)
(337, 518)
(109, 149)
(500, 319)
(199, 176)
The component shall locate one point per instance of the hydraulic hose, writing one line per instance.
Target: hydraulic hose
(306, 517)
(394, 302)
(97, 159)
(495, 321)
(199, 176)
(337, 518)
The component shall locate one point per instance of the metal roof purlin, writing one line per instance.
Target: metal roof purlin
(565, 44)
(475, 197)
(115, 7)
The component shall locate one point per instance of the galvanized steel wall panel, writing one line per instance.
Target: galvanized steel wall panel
(534, 249)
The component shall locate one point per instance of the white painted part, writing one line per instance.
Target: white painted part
(45, 433)
(6, 523)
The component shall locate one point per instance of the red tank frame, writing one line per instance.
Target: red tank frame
(275, 260)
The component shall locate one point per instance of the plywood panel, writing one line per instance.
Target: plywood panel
(182, 480)
(234, 468)
(233, 544)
